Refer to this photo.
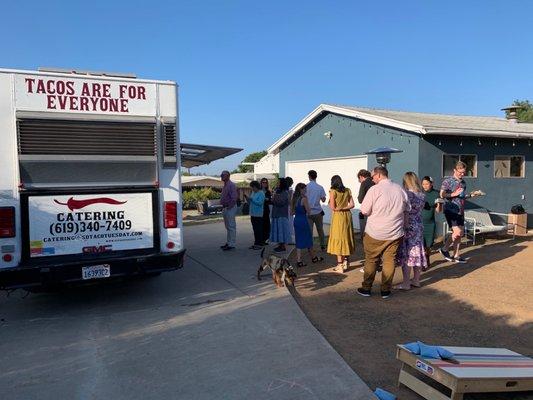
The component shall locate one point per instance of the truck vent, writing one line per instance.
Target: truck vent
(170, 146)
(67, 153)
(61, 137)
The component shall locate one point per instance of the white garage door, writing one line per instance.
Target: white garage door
(346, 168)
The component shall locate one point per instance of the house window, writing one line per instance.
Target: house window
(509, 167)
(449, 161)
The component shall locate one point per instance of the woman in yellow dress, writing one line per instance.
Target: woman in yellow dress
(341, 238)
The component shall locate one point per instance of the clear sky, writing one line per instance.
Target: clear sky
(249, 70)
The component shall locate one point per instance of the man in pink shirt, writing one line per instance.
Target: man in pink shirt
(384, 204)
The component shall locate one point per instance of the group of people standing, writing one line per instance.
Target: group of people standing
(287, 216)
(400, 229)
(397, 223)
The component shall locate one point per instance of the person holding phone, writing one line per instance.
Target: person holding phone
(279, 229)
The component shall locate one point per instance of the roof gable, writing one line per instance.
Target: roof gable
(419, 123)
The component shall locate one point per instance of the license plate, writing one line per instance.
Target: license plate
(96, 271)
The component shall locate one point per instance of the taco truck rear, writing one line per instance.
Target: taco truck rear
(89, 177)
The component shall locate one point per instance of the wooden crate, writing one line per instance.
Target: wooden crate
(476, 370)
(519, 221)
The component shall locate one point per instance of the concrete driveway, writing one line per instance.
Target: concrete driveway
(208, 331)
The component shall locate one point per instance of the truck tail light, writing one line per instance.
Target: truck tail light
(170, 214)
(7, 222)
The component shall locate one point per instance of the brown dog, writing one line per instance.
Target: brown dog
(282, 271)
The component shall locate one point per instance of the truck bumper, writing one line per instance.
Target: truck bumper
(51, 275)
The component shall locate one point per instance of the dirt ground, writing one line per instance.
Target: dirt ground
(485, 303)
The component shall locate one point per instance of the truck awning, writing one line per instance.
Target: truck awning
(194, 155)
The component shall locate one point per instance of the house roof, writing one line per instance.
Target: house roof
(419, 123)
(249, 176)
(194, 180)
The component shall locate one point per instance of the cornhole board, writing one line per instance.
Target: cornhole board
(477, 370)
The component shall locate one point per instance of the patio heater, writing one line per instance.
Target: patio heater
(383, 154)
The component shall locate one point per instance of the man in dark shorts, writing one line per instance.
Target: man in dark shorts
(453, 191)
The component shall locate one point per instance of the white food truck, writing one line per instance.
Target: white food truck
(89, 177)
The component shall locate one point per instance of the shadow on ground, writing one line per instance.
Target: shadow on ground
(444, 311)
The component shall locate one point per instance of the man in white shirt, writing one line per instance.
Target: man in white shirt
(316, 194)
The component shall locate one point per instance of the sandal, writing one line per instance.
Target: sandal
(345, 265)
(301, 264)
(339, 268)
(415, 284)
(316, 259)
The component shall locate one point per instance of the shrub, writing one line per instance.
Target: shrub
(193, 196)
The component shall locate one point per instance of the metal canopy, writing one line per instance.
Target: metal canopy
(194, 155)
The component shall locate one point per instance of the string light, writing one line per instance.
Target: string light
(479, 142)
(495, 143)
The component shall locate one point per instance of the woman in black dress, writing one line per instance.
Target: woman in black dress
(428, 214)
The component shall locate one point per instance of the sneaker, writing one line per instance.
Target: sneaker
(385, 294)
(445, 254)
(280, 249)
(459, 260)
(363, 292)
(224, 246)
(323, 248)
(362, 270)
(228, 248)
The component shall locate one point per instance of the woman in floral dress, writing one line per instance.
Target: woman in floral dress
(411, 254)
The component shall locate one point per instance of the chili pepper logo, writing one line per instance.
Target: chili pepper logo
(79, 204)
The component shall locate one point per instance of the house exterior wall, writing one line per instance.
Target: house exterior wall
(501, 193)
(269, 164)
(423, 155)
(351, 137)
